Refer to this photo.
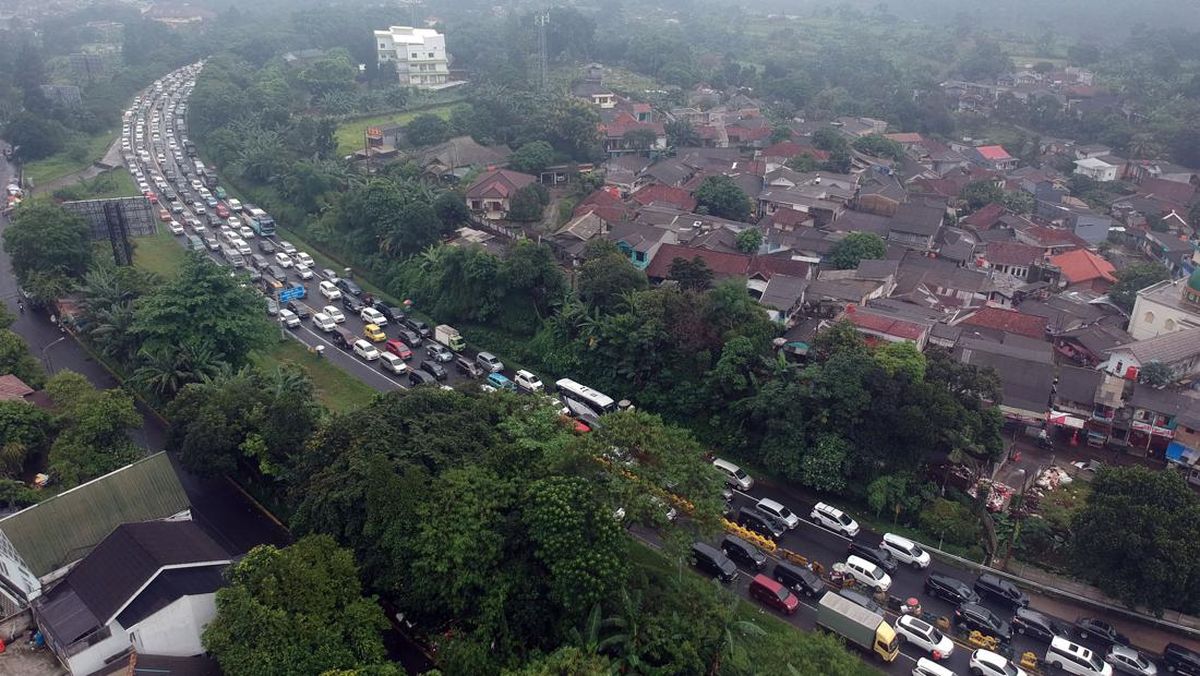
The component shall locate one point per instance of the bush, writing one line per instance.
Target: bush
(951, 521)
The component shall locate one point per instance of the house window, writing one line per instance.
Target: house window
(1169, 325)
(415, 56)
(639, 256)
(431, 55)
(1148, 318)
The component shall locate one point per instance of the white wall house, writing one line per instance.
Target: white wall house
(1166, 307)
(149, 587)
(1096, 169)
(418, 55)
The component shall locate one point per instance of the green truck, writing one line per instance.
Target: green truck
(862, 627)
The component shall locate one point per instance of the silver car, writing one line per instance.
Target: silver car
(1126, 660)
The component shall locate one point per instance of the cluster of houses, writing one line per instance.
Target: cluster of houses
(1024, 293)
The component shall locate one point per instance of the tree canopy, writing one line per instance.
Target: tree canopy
(722, 197)
(1134, 278)
(856, 246)
(44, 238)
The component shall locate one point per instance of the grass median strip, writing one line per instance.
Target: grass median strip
(336, 389)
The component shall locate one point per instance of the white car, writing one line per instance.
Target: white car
(304, 271)
(289, 319)
(304, 259)
(245, 231)
(905, 550)
(867, 573)
(370, 315)
(284, 260)
(324, 322)
(390, 362)
(528, 382)
(334, 314)
(175, 227)
(988, 663)
(925, 636)
(774, 509)
(287, 246)
(328, 290)
(834, 519)
(365, 350)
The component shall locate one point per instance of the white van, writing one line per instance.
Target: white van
(905, 550)
(1076, 659)
(927, 667)
(734, 475)
(868, 574)
(324, 322)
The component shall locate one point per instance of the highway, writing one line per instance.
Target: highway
(812, 541)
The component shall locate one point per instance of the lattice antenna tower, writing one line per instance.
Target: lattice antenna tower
(541, 20)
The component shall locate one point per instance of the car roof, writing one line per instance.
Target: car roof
(860, 561)
(770, 503)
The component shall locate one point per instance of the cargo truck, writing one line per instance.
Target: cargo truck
(449, 336)
(262, 224)
(860, 626)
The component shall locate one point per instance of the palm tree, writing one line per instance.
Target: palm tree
(166, 369)
(733, 630)
(110, 329)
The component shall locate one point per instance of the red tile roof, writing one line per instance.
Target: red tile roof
(1012, 253)
(656, 192)
(1009, 321)
(993, 153)
(1178, 193)
(1082, 265)
(13, 388)
(1048, 237)
(789, 217)
(725, 264)
(790, 149)
(605, 205)
(905, 137)
(499, 183)
(986, 217)
(888, 326)
(624, 123)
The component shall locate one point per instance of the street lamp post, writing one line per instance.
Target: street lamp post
(46, 355)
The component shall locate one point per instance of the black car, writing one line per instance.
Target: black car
(353, 304)
(1090, 627)
(743, 552)
(419, 326)
(348, 287)
(798, 578)
(1181, 660)
(416, 377)
(434, 369)
(410, 339)
(710, 560)
(277, 272)
(760, 523)
(394, 314)
(1036, 625)
(949, 588)
(302, 311)
(972, 616)
(266, 246)
(879, 557)
(996, 587)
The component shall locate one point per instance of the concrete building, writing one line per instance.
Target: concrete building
(1096, 169)
(1166, 307)
(418, 55)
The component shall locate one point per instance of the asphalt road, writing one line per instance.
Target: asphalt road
(217, 504)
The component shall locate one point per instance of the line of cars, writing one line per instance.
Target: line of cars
(871, 566)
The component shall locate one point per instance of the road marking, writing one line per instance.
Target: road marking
(377, 372)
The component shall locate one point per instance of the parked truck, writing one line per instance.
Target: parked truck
(449, 336)
(862, 627)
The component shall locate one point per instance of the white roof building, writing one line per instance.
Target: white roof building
(417, 54)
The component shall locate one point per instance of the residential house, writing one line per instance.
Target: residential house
(604, 204)
(491, 194)
(880, 326)
(879, 193)
(986, 218)
(1091, 150)
(1003, 320)
(668, 171)
(1075, 392)
(665, 194)
(860, 126)
(39, 543)
(993, 157)
(1165, 307)
(1171, 251)
(1089, 226)
(915, 225)
(1012, 258)
(1089, 345)
(1153, 416)
(1179, 350)
(573, 236)
(1051, 240)
(783, 297)
(640, 241)
(148, 586)
(595, 92)
(624, 172)
(1096, 169)
(1026, 376)
(1081, 268)
(1141, 170)
(933, 283)
(623, 131)
(756, 269)
(454, 159)
(1183, 453)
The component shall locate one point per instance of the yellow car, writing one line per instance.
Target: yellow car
(374, 333)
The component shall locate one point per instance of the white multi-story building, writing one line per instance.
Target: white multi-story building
(417, 54)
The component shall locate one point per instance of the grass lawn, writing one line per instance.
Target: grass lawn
(161, 254)
(349, 135)
(59, 165)
(112, 183)
(336, 389)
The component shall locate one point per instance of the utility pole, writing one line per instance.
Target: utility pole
(541, 20)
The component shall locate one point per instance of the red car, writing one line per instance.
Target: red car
(773, 594)
(151, 196)
(222, 211)
(398, 348)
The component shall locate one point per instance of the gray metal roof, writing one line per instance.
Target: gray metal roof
(1168, 348)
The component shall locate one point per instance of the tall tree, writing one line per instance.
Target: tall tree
(855, 247)
(43, 237)
(722, 197)
(94, 429)
(296, 610)
(1134, 278)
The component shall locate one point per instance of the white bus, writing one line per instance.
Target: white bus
(584, 402)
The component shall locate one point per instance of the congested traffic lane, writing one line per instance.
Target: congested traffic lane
(154, 167)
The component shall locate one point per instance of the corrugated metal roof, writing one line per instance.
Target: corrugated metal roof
(64, 528)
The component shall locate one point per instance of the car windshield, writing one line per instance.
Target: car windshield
(916, 550)
(740, 474)
(1009, 669)
(782, 594)
(876, 573)
(784, 512)
(844, 520)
